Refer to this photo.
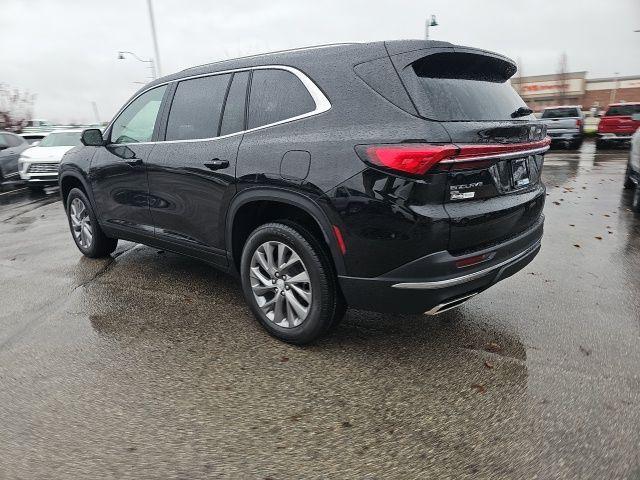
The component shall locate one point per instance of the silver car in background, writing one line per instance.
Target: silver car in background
(565, 125)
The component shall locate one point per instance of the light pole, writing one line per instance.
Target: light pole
(155, 38)
(121, 56)
(430, 22)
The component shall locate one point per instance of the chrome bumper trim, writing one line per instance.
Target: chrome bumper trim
(465, 278)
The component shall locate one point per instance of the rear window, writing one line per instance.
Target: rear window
(560, 113)
(464, 87)
(622, 110)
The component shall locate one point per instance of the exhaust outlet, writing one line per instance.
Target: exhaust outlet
(443, 307)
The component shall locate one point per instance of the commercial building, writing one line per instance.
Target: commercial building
(574, 88)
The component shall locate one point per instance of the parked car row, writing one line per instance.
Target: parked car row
(34, 158)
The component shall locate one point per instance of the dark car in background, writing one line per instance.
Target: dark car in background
(398, 176)
(618, 124)
(11, 146)
(565, 125)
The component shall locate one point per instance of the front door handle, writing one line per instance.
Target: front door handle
(217, 164)
(135, 162)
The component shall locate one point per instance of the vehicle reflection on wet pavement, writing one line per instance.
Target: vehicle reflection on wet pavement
(149, 364)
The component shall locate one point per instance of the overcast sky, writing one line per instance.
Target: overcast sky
(65, 51)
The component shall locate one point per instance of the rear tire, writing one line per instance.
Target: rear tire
(274, 286)
(85, 230)
(627, 179)
(601, 144)
(635, 204)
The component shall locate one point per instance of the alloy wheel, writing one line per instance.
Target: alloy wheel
(280, 283)
(81, 223)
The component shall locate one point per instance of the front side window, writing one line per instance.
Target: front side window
(137, 121)
(196, 108)
(61, 139)
(277, 95)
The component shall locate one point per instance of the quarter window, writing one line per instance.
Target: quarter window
(137, 121)
(196, 108)
(277, 95)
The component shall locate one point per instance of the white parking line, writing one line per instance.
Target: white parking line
(14, 191)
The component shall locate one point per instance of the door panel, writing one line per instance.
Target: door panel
(118, 171)
(190, 184)
(120, 188)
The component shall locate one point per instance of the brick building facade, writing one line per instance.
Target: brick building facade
(574, 88)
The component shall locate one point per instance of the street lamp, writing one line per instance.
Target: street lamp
(430, 22)
(152, 66)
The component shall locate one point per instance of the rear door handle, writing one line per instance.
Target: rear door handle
(217, 164)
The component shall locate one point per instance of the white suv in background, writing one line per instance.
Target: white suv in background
(38, 165)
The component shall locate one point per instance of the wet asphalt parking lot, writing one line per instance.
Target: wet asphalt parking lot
(149, 365)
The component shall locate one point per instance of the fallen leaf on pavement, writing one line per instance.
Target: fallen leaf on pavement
(479, 388)
(576, 245)
(598, 237)
(556, 203)
(493, 347)
(488, 364)
(586, 351)
(284, 359)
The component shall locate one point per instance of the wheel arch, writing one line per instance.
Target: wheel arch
(291, 202)
(71, 179)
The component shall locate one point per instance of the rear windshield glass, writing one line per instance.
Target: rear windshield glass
(621, 110)
(560, 113)
(466, 87)
(62, 139)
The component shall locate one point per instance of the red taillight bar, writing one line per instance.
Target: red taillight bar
(417, 159)
(485, 152)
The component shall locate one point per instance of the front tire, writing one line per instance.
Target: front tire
(601, 144)
(289, 283)
(86, 233)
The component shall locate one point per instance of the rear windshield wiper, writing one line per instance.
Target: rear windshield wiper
(521, 112)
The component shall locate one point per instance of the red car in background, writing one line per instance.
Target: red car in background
(617, 126)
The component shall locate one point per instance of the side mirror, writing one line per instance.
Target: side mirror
(35, 144)
(635, 117)
(92, 137)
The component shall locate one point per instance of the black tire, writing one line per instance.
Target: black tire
(628, 184)
(326, 308)
(100, 245)
(635, 204)
(601, 144)
(576, 144)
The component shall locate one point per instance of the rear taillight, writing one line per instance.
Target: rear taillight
(418, 159)
(415, 159)
(579, 123)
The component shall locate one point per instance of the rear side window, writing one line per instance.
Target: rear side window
(622, 110)
(13, 140)
(196, 108)
(233, 118)
(560, 113)
(277, 95)
(137, 121)
(463, 87)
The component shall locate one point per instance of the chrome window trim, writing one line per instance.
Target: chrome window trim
(321, 101)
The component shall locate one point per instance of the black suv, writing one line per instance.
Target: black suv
(398, 176)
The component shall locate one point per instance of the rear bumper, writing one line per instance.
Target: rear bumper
(615, 137)
(432, 282)
(564, 135)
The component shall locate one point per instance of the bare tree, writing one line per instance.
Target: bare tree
(16, 108)
(562, 79)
